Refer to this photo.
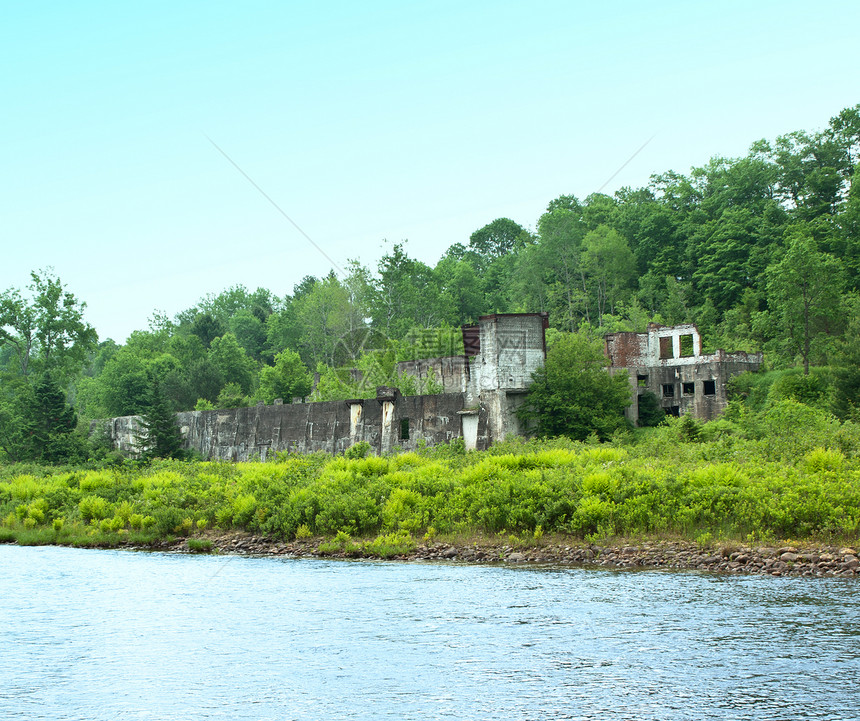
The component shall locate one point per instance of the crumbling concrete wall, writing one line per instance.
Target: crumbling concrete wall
(509, 347)
(512, 346)
(668, 362)
(258, 432)
(452, 372)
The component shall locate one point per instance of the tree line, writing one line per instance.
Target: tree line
(762, 252)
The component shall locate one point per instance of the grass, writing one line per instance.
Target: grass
(199, 545)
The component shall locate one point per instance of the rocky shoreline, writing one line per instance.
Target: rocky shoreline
(809, 560)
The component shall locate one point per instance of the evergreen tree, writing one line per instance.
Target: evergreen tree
(651, 413)
(160, 436)
(48, 425)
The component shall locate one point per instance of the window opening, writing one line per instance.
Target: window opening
(689, 389)
(686, 346)
(668, 390)
(666, 347)
(404, 429)
(709, 388)
(674, 411)
(642, 381)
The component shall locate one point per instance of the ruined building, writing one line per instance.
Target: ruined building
(668, 361)
(482, 390)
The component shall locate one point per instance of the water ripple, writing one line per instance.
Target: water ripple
(118, 635)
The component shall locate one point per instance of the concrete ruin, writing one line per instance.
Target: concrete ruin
(668, 362)
(482, 390)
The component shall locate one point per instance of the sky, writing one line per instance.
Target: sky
(156, 152)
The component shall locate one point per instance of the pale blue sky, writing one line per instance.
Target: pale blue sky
(364, 122)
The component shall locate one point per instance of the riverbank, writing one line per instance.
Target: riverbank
(715, 506)
(798, 559)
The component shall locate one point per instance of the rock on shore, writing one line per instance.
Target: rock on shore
(812, 560)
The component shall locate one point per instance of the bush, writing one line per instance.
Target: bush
(574, 395)
(94, 508)
(198, 545)
(651, 413)
(358, 450)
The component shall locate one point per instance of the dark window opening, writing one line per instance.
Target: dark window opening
(668, 390)
(686, 346)
(641, 381)
(689, 389)
(709, 388)
(674, 411)
(666, 347)
(404, 429)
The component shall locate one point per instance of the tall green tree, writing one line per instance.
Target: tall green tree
(609, 265)
(323, 315)
(498, 238)
(804, 294)
(289, 378)
(250, 332)
(560, 233)
(408, 293)
(847, 366)
(46, 331)
(207, 327)
(231, 361)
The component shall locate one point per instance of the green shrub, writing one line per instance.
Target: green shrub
(392, 544)
(94, 508)
(651, 413)
(198, 545)
(358, 450)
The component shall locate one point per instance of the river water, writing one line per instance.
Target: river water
(122, 635)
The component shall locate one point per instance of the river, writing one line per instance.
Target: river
(90, 634)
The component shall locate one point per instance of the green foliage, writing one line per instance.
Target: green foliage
(385, 546)
(651, 413)
(358, 450)
(846, 377)
(45, 332)
(160, 436)
(761, 251)
(793, 429)
(231, 396)
(812, 389)
(800, 480)
(199, 545)
(231, 361)
(288, 378)
(689, 430)
(804, 290)
(39, 425)
(574, 395)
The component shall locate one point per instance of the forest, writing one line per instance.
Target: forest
(762, 252)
